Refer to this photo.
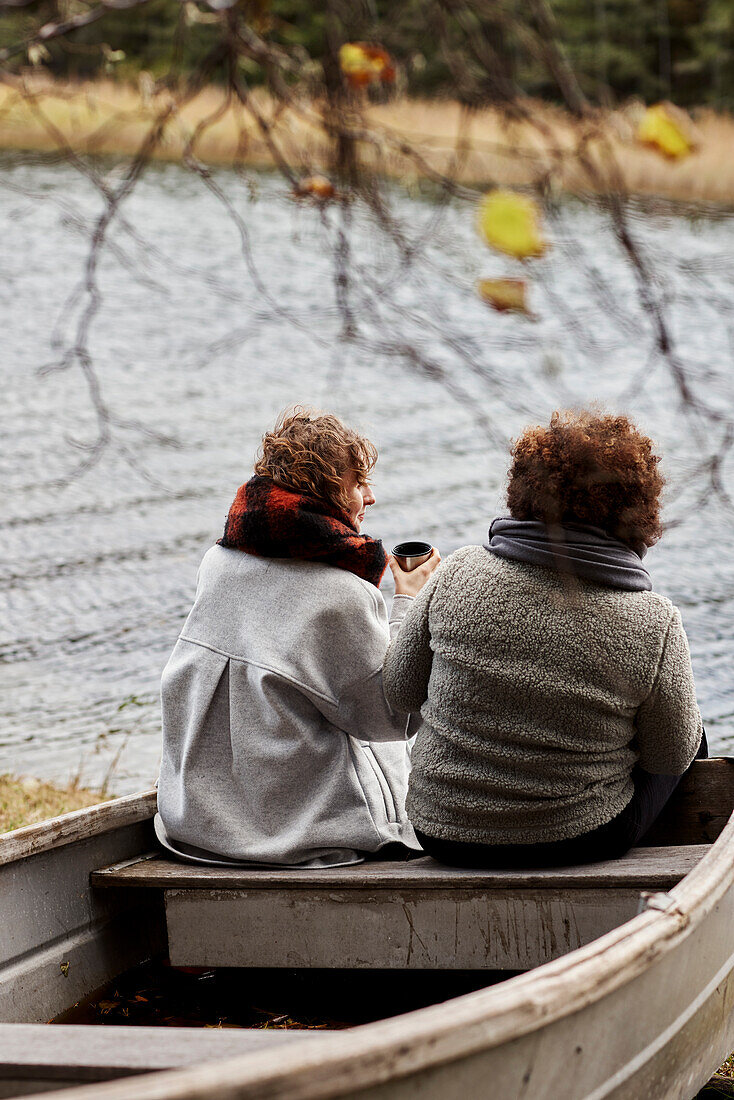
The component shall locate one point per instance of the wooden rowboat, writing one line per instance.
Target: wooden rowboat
(627, 990)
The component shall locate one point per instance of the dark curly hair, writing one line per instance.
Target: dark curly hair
(309, 452)
(588, 468)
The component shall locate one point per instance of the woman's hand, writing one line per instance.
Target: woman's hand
(410, 584)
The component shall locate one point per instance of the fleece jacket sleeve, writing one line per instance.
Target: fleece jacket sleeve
(668, 723)
(407, 667)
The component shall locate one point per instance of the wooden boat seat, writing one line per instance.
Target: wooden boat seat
(416, 914)
(420, 914)
(36, 1057)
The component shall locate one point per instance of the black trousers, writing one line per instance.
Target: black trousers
(607, 842)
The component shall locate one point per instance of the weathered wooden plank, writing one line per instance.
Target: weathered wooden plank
(75, 826)
(700, 806)
(647, 868)
(97, 1053)
(406, 929)
(415, 915)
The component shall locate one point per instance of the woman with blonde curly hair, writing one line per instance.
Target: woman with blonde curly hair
(555, 687)
(278, 744)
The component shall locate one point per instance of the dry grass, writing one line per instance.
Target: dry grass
(500, 151)
(108, 118)
(25, 801)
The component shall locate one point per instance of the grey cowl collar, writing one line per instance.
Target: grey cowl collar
(575, 548)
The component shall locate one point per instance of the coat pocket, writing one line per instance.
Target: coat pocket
(383, 769)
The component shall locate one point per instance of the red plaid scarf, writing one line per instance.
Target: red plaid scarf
(271, 522)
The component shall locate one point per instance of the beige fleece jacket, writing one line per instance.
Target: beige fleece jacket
(536, 699)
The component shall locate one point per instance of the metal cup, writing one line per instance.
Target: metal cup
(409, 555)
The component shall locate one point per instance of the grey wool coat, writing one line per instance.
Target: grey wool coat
(537, 696)
(278, 743)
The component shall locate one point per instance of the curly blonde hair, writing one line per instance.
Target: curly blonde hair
(309, 452)
(585, 467)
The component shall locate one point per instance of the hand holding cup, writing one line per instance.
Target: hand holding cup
(412, 563)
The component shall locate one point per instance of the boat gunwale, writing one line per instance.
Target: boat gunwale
(77, 825)
(375, 1053)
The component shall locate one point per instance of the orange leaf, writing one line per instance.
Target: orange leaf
(505, 295)
(317, 187)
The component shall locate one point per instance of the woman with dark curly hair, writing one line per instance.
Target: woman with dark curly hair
(555, 687)
(278, 744)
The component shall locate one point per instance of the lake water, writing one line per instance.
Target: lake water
(198, 343)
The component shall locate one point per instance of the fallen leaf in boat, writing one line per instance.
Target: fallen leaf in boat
(668, 130)
(511, 223)
(64, 968)
(505, 295)
(364, 64)
(317, 187)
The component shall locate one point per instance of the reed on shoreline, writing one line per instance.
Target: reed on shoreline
(26, 801)
(405, 139)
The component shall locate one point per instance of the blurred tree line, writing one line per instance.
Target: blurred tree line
(655, 49)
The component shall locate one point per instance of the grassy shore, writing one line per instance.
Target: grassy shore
(25, 801)
(484, 148)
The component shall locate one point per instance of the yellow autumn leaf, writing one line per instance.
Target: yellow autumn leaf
(351, 57)
(664, 128)
(511, 223)
(505, 295)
